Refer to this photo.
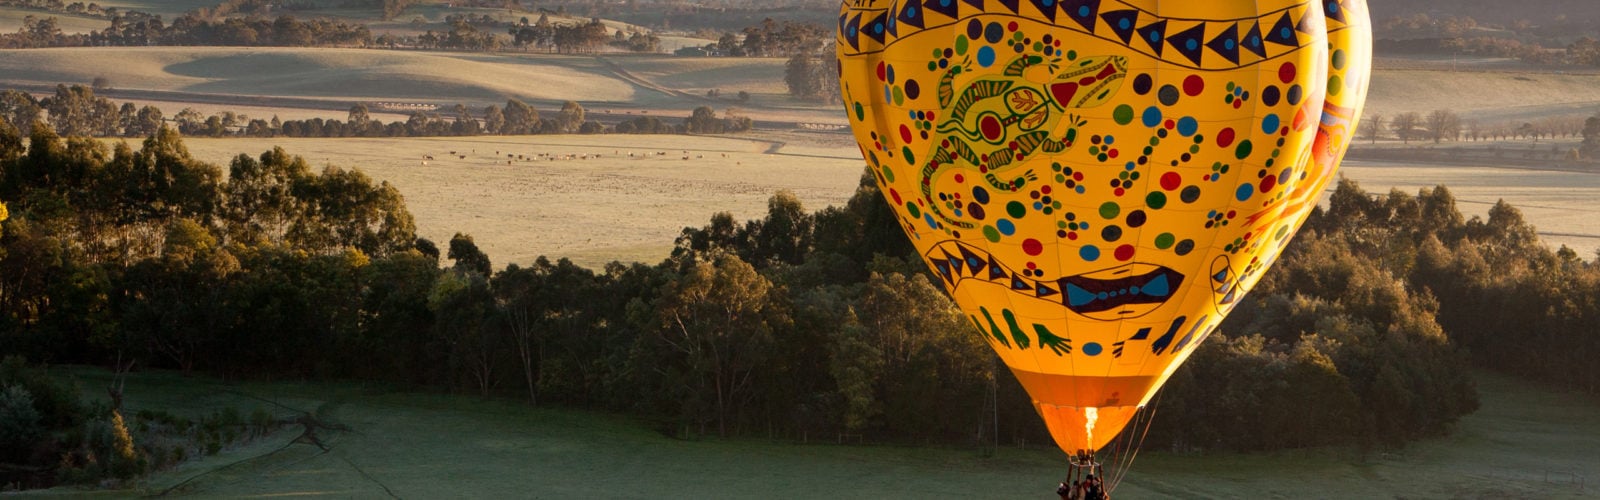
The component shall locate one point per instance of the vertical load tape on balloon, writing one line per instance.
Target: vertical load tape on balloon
(1098, 182)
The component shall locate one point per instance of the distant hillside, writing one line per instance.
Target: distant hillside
(1489, 90)
(1491, 11)
(351, 74)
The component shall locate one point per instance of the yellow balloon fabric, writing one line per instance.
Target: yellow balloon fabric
(1097, 182)
(1349, 71)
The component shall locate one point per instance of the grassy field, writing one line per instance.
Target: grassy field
(698, 74)
(618, 207)
(512, 208)
(663, 85)
(1564, 206)
(1526, 442)
(1477, 90)
(591, 210)
(336, 74)
(1488, 96)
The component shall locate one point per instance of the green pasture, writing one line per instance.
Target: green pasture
(1526, 442)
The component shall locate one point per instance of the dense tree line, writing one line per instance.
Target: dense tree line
(1337, 345)
(704, 120)
(139, 29)
(705, 18)
(801, 325)
(1494, 13)
(91, 9)
(1566, 39)
(245, 8)
(564, 38)
(240, 23)
(117, 255)
(1579, 52)
(1443, 125)
(771, 39)
(77, 111)
(1516, 305)
(1395, 294)
(776, 39)
(812, 77)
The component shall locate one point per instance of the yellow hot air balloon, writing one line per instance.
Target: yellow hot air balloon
(1097, 182)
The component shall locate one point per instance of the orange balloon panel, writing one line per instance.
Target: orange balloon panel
(1095, 181)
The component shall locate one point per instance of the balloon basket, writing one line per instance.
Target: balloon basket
(1083, 461)
(1084, 469)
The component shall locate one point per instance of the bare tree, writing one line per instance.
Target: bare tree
(1373, 127)
(1443, 124)
(1405, 125)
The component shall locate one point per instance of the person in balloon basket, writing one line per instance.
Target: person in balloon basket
(1093, 489)
(1068, 492)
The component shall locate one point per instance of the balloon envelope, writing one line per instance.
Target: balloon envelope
(1097, 182)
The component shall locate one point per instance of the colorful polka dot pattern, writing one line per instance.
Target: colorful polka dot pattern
(1098, 182)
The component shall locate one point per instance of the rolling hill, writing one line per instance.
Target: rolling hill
(342, 74)
(1477, 89)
